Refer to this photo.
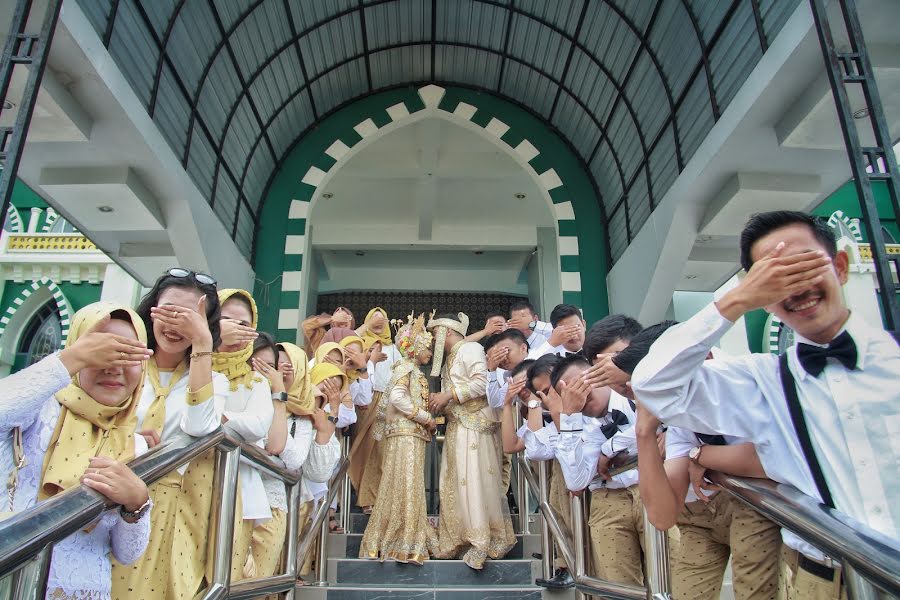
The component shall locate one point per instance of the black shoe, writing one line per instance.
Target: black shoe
(537, 555)
(561, 580)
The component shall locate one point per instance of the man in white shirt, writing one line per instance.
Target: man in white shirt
(523, 317)
(567, 336)
(504, 351)
(824, 417)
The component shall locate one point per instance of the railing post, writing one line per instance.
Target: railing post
(656, 546)
(225, 485)
(322, 560)
(292, 535)
(546, 543)
(30, 582)
(345, 487)
(858, 587)
(578, 539)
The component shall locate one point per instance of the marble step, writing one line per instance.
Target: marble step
(434, 573)
(375, 592)
(347, 546)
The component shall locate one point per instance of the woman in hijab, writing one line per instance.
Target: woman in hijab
(315, 327)
(72, 419)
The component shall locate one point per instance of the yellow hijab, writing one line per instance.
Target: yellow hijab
(323, 371)
(352, 339)
(234, 365)
(301, 400)
(385, 336)
(323, 350)
(85, 427)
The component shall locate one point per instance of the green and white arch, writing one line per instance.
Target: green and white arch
(22, 300)
(320, 154)
(14, 220)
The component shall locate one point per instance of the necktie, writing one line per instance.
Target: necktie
(814, 358)
(571, 354)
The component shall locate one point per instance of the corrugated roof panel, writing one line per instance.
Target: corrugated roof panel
(308, 13)
(675, 43)
(618, 234)
(775, 14)
(296, 116)
(245, 231)
(561, 13)
(172, 112)
(471, 23)
(398, 23)
(638, 13)
(409, 63)
(219, 93)
(575, 123)
(135, 50)
(647, 95)
(638, 203)
(695, 117)
(624, 136)
(339, 85)
(190, 46)
(609, 40)
(528, 86)
(231, 10)
(226, 200)
(159, 12)
(259, 36)
(257, 175)
(539, 46)
(201, 161)
(240, 136)
(475, 67)
(709, 15)
(97, 12)
(732, 60)
(663, 165)
(276, 82)
(334, 42)
(605, 173)
(594, 89)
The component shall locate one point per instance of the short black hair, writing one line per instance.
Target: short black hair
(164, 282)
(628, 359)
(514, 335)
(563, 365)
(522, 305)
(542, 366)
(265, 340)
(522, 366)
(762, 224)
(494, 313)
(607, 331)
(561, 311)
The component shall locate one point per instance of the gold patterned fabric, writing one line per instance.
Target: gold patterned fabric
(366, 454)
(475, 522)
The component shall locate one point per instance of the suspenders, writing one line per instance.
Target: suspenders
(789, 385)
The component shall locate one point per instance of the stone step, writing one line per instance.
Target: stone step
(347, 546)
(433, 574)
(462, 592)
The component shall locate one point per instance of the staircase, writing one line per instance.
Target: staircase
(351, 578)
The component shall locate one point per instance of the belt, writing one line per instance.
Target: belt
(818, 569)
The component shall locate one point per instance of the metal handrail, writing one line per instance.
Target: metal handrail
(27, 537)
(871, 554)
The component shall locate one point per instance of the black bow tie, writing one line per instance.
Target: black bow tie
(813, 358)
(571, 354)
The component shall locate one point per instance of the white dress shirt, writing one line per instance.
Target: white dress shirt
(541, 444)
(581, 442)
(496, 389)
(680, 442)
(540, 334)
(853, 417)
(380, 374)
(361, 392)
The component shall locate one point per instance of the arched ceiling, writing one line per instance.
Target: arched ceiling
(632, 85)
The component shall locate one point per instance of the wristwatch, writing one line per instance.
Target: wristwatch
(332, 419)
(532, 325)
(694, 455)
(135, 516)
(534, 404)
(280, 396)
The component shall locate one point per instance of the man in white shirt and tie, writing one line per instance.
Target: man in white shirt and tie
(825, 417)
(567, 336)
(523, 317)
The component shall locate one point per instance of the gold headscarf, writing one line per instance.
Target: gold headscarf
(234, 365)
(323, 371)
(301, 401)
(324, 349)
(385, 336)
(85, 427)
(353, 339)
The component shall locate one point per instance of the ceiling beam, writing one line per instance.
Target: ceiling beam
(429, 134)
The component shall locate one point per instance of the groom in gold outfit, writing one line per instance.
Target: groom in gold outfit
(474, 519)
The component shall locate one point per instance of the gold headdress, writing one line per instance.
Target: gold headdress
(439, 327)
(412, 337)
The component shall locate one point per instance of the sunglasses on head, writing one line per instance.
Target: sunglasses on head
(198, 277)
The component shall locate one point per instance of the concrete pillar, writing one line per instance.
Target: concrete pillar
(120, 287)
(35, 217)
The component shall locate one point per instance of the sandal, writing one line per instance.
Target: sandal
(333, 526)
(367, 510)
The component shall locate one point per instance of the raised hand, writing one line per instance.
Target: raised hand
(234, 333)
(275, 376)
(513, 390)
(99, 350)
(574, 395)
(151, 436)
(605, 373)
(563, 333)
(439, 401)
(518, 322)
(697, 474)
(332, 391)
(495, 356)
(378, 356)
(115, 481)
(191, 323)
(492, 328)
(354, 359)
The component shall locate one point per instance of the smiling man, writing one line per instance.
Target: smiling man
(824, 416)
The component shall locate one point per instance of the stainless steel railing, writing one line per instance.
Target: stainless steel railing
(27, 538)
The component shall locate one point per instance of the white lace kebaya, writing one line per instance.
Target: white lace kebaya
(80, 568)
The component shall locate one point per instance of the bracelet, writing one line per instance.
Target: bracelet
(200, 354)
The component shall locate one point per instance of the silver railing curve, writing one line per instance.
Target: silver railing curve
(27, 538)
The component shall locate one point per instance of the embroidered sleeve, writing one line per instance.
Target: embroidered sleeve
(129, 540)
(23, 394)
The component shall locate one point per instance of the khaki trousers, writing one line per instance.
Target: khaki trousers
(561, 503)
(617, 535)
(795, 583)
(710, 533)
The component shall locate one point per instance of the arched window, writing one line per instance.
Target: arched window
(42, 336)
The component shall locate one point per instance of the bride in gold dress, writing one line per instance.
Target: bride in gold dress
(398, 528)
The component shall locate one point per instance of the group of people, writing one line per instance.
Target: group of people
(823, 417)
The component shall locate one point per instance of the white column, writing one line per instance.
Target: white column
(120, 287)
(35, 217)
